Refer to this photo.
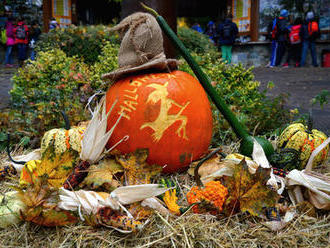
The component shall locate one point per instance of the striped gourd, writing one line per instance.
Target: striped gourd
(297, 136)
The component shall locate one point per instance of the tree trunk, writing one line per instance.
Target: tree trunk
(166, 8)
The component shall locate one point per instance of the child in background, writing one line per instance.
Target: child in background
(294, 48)
(21, 33)
(282, 35)
(35, 33)
(309, 33)
(10, 42)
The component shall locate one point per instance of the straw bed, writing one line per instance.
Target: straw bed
(189, 230)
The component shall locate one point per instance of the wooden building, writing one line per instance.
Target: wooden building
(79, 12)
(251, 16)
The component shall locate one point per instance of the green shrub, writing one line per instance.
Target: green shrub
(195, 41)
(239, 90)
(107, 61)
(52, 83)
(84, 42)
(42, 88)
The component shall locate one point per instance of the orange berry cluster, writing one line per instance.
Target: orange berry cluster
(213, 194)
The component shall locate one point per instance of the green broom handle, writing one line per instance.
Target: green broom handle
(238, 128)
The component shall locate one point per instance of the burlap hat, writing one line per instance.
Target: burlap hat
(141, 46)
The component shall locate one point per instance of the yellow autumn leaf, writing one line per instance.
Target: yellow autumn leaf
(56, 168)
(249, 192)
(136, 169)
(102, 175)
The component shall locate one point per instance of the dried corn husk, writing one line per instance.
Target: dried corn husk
(95, 136)
(260, 158)
(93, 143)
(89, 202)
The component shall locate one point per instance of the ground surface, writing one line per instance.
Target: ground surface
(302, 84)
(5, 85)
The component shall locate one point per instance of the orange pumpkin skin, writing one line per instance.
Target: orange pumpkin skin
(168, 113)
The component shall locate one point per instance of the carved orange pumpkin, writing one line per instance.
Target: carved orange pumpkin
(168, 113)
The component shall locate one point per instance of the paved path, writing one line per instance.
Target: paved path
(5, 85)
(303, 84)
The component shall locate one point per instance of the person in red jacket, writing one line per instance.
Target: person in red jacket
(21, 33)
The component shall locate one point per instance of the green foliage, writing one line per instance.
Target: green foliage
(84, 42)
(107, 62)
(321, 98)
(195, 41)
(239, 90)
(42, 88)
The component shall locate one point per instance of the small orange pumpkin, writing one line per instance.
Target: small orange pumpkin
(167, 113)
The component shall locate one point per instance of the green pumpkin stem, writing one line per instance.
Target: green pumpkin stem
(8, 152)
(196, 176)
(150, 10)
(310, 122)
(66, 120)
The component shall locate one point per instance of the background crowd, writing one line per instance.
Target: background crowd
(288, 36)
(294, 36)
(18, 35)
(223, 35)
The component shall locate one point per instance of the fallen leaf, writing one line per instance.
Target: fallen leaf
(41, 205)
(55, 167)
(102, 175)
(249, 192)
(136, 169)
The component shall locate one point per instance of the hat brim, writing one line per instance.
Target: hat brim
(158, 64)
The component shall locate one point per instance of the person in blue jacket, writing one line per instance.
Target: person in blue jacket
(227, 33)
(211, 31)
(308, 38)
(282, 35)
(197, 28)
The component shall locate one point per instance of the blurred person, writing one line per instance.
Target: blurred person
(9, 26)
(227, 33)
(272, 35)
(21, 33)
(211, 31)
(294, 47)
(53, 24)
(309, 33)
(35, 33)
(281, 36)
(197, 28)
